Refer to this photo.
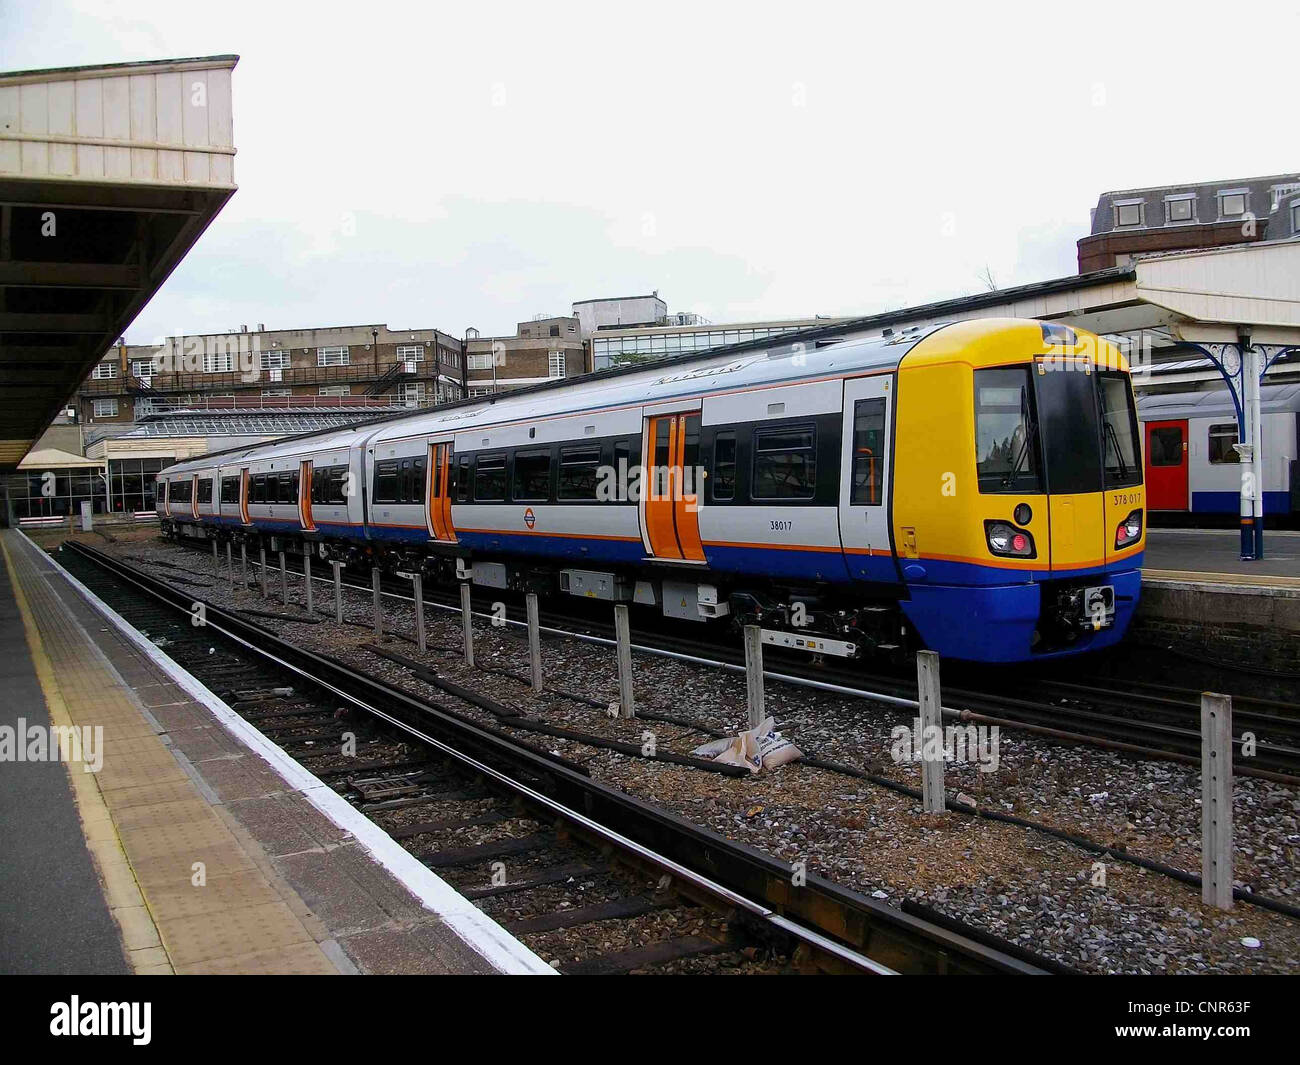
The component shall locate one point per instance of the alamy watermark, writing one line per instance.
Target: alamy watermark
(53, 743)
(951, 743)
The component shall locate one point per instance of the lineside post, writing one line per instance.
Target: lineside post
(306, 580)
(265, 593)
(754, 674)
(623, 638)
(243, 567)
(284, 579)
(417, 582)
(216, 562)
(931, 724)
(230, 564)
(534, 642)
(379, 601)
(338, 591)
(467, 622)
(1216, 800)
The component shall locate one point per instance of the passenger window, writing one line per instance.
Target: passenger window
(1167, 446)
(724, 465)
(490, 479)
(386, 481)
(868, 452)
(462, 479)
(205, 490)
(417, 480)
(334, 491)
(785, 463)
(1222, 437)
(532, 476)
(578, 472)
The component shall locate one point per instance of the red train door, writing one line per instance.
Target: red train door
(1167, 465)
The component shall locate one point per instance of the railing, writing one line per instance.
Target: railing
(358, 373)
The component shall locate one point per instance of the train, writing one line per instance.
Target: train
(1193, 475)
(974, 488)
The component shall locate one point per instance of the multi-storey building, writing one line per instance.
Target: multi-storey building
(1183, 217)
(544, 349)
(333, 366)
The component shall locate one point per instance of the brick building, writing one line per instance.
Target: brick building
(1182, 217)
(544, 349)
(341, 365)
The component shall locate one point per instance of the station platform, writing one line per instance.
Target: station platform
(1212, 556)
(172, 838)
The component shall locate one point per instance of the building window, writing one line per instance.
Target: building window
(105, 371)
(1232, 204)
(276, 392)
(142, 368)
(410, 353)
(557, 364)
(1180, 209)
(218, 361)
(411, 393)
(338, 356)
(1129, 213)
(1222, 437)
(1295, 217)
(335, 390)
(274, 360)
(555, 330)
(479, 390)
(105, 408)
(480, 361)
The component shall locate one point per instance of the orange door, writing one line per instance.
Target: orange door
(194, 496)
(438, 493)
(243, 497)
(668, 497)
(304, 496)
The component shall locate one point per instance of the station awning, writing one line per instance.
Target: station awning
(108, 175)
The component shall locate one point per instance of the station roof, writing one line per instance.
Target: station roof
(108, 175)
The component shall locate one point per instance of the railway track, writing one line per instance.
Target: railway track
(581, 872)
(1146, 720)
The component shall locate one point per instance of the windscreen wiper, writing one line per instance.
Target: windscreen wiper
(1113, 437)
(1031, 429)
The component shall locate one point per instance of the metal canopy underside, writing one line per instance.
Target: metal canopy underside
(108, 175)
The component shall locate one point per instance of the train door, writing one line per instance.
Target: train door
(1167, 465)
(864, 478)
(670, 520)
(194, 496)
(438, 493)
(304, 496)
(243, 497)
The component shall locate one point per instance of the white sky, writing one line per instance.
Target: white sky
(477, 163)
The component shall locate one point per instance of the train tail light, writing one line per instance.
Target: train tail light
(1006, 540)
(1129, 530)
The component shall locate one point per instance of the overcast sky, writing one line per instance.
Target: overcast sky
(476, 164)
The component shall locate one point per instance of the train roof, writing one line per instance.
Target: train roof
(1157, 407)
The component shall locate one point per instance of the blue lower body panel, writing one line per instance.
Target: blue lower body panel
(1230, 503)
(997, 622)
(579, 549)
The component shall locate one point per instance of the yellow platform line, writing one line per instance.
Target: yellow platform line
(1244, 580)
(122, 893)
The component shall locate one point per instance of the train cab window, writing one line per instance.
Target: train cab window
(785, 463)
(386, 481)
(868, 452)
(490, 479)
(579, 473)
(205, 490)
(1222, 438)
(532, 476)
(462, 479)
(1006, 448)
(724, 465)
(1121, 461)
(1166, 446)
(230, 489)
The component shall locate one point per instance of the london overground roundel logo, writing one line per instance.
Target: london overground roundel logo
(530, 519)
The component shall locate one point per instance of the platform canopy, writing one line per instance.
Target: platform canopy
(108, 175)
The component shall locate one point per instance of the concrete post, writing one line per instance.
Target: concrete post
(623, 638)
(243, 567)
(467, 622)
(284, 580)
(931, 724)
(379, 601)
(216, 562)
(754, 674)
(534, 642)
(230, 564)
(417, 582)
(338, 591)
(1216, 800)
(265, 593)
(306, 581)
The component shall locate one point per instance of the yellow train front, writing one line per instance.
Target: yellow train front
(1018, 511)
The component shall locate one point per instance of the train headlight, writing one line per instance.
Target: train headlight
(1006, 540)
(1129, 530)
